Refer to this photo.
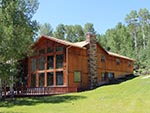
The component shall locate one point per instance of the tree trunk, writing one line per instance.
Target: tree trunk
(11, 87)
(135, 41)
(144, 43)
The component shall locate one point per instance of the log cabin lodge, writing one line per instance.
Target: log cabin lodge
(59, 66)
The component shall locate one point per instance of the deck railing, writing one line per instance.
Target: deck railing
(27, 91)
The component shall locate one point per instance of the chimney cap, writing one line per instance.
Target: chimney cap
(90, 34)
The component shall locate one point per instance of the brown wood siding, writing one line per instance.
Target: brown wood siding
(110, 65)
(77, 61)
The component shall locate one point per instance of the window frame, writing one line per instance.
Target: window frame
(129, 64)
(58, 77)
(117, 61)
(103, 58)
(77, 78)
(33, 80)
(43, 80)
(57, 64)
(41, 51)
(40, 61)
(59, 49)
(51, 74)
(50, 50)
(48, 67)
(35, 64)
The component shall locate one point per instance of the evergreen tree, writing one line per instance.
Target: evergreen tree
(46, 29)
(89, 27)
(17, 33)
(60, 32)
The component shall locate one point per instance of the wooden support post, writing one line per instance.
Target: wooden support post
(55, 67)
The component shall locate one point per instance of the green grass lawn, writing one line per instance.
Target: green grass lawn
(132, 96)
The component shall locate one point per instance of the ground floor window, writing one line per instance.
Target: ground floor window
(50, 79)
(33, 80)
(107, 76)
(103, 76)
(59, 78)
(110, 76)
(41, 79)
(77, 76)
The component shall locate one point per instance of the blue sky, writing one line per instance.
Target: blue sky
(104, 14)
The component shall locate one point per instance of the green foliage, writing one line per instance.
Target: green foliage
(60, 31)
(128, 97)
(89, 27)
(17, 33)
(72, 33)
(46, 29)
(117, 40)
(132, 40)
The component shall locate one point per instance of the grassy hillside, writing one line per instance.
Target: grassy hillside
(132, 96)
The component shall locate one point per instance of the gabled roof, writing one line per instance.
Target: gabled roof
(64, 42)
(79, 45)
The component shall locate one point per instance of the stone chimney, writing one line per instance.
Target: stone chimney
(92, 60)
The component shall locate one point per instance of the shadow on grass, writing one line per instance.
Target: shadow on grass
(28, 101)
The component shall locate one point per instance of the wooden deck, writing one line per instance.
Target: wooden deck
(38, 91)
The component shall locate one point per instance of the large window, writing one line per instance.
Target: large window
(41, 63)
(50, 62)
(48, 66)
(33, 80)
(33, 65)
(59, 48)
(59, 61)
(50, 50)
(59, 78)
(77, 76)
(50, 78)
(42, 51)
(41, 79)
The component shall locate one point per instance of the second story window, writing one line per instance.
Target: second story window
(102, 58)
(41, 63)
(33, 65)
(59, 49)
(50, 50)
(117, 61)
(50, 62)
(41, 51)
(129, 64)
(59, 61)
